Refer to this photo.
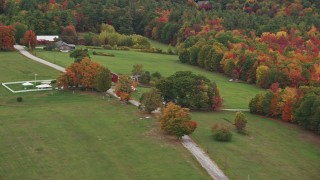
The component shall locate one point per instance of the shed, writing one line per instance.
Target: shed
(65, 47)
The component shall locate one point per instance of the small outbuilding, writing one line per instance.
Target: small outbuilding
(65, 47)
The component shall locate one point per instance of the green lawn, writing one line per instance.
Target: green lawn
(138, 93)
(272, 150)
(82, 136)
(15, 67)
(236, 95)
(159, 45)
(49, 136)
(61, 135)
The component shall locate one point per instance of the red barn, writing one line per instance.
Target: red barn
(115, 77)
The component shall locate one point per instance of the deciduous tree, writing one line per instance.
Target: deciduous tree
(176, 120)
(103, 79)
(7, 39)
(79, 54)
(30, 39)
(69, 34)
(82, 74)
(240, 122)
(151, 100)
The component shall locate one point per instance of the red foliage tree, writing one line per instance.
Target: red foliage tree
(7, 39)
(287, 112)
(64, 4)
(69, 34)
(30, 39)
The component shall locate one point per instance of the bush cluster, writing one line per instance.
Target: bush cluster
(221, 132)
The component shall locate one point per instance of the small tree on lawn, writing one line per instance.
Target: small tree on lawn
(240, 122)
(137, 70)
(79, 54)
(175, 120)
(103, 79)
(221, 132)
(30, 39)
(123, 87)
(151, 100)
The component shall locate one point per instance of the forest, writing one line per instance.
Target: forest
(273, 44)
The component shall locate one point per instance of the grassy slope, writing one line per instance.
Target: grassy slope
(49, 136)
(160, 45)
(273, 149)
(236, 95)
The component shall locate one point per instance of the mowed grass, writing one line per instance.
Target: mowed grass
(82, 136)
(272, 150)
(61, 135)
(15, 67)
(162, 46)
(236, 95)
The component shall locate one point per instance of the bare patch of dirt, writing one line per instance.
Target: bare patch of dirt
(161, 137)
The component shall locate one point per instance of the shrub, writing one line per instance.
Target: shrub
(240, 122)
(19, 99)
(176, 120)
(123, 48)
(102, 54)
(221, 132)
(145, 78)
(107, 47)
(151, 100)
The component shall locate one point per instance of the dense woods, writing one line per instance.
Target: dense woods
(259, 42)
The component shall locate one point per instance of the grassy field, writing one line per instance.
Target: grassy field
(52, 137)
(138, 93)
(15, 67)
(236, 95)
(272, 150)
(163, 47)
(62, 135)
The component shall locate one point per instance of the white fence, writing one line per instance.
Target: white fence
(28, 90)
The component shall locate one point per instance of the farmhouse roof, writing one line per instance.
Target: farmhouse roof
(47, 38)
(61, 43)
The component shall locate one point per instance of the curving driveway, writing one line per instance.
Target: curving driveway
(24, 52)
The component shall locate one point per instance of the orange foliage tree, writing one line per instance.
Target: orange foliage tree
(176, 120)
(80, 74)
(289, 98)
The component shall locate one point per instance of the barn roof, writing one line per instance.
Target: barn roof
(47, 38)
